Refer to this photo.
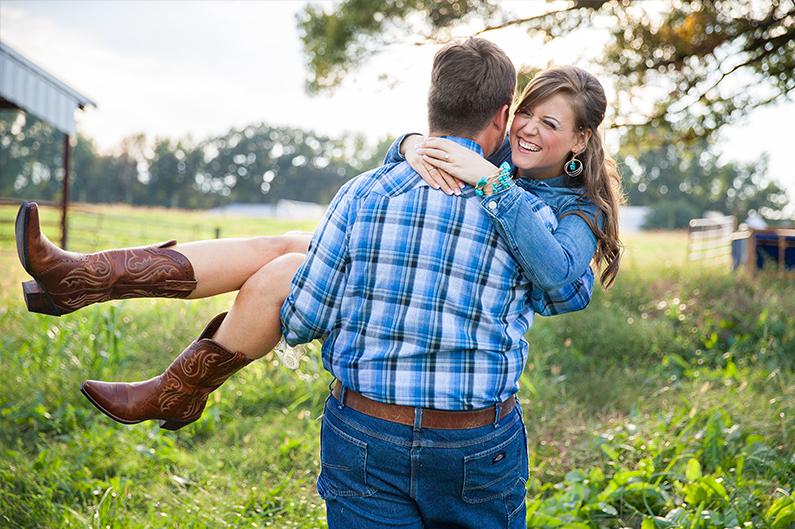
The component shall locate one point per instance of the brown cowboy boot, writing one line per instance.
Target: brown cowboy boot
(67, 281)
(177, 397)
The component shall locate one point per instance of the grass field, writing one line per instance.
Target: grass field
(667, 403)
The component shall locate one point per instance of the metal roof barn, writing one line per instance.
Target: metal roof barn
(28, 87)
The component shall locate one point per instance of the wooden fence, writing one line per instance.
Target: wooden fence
(91, 230)
(710, 238)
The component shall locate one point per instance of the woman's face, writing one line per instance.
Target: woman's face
(543, 136)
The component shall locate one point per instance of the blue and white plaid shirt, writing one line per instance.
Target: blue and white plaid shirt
(418, 297)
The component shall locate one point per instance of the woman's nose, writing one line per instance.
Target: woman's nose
(531, 125)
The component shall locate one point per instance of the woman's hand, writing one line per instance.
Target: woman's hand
(455, 160)
(437, 178)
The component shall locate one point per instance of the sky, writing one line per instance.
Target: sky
(196, 69)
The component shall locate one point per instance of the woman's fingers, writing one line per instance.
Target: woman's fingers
(439, 179)
(436, 154)
(459, 162)
(449, 184)
(436, 177)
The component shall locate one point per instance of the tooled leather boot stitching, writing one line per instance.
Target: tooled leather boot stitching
(67, 281)
(178, 396)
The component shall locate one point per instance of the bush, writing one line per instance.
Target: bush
(671, 215)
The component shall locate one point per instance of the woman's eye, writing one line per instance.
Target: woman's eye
(550, 125)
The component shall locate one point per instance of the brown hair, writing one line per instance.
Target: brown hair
(470, 82)
(600, 178)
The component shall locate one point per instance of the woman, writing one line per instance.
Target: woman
(558, 154)
(262, 268)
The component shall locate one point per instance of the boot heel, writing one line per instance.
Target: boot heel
(38, 300)
(173, 424)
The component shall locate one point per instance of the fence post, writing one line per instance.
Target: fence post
(67, 148)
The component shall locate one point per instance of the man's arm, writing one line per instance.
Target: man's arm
(312, 307)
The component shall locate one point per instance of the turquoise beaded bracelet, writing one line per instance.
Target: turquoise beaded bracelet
(501, 181)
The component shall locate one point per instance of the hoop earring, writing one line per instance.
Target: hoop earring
(573, 168)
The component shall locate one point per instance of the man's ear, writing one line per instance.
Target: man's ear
(501, 118)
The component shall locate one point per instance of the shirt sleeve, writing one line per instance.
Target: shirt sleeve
(570, 298)
(551, 260)
(311, 309)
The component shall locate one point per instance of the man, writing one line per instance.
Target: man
(423, 314)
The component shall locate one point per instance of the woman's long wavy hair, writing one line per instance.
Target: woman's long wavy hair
(600, 178)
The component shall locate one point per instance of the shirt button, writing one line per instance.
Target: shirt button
(493, 204)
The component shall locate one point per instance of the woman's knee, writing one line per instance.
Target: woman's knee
(272, 281)
(274, 246)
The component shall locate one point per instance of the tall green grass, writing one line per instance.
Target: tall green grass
(668, 403)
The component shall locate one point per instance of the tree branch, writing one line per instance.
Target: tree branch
(579, 4)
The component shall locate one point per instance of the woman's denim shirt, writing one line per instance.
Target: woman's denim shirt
(551, 260)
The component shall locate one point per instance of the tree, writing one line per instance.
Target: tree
(256, 164)
(89, 178)
(338, 42)
(260, 164)
(680, 184)
(31, 157)
(704, 63)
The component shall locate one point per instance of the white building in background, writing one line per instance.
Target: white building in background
(631, 218)
(283, 209)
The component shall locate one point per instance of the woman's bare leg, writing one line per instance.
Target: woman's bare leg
(177, 397)
(64, 282)
(224, 265)
(253, 325)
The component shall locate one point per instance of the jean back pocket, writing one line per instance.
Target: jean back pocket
(343, 464)
(495, 472)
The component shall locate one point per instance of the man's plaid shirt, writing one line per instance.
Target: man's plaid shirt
(419, 299)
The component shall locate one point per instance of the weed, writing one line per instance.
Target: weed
(667, 403)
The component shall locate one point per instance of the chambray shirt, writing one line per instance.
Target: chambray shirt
(419, 299)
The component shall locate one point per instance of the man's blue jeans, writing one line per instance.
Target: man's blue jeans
(380, 474)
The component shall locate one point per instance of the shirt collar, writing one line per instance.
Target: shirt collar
(469, 144)
(558, 181)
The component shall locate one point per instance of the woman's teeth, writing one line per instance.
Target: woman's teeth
(529, 146)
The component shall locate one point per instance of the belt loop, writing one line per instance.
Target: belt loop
(417, 419)
(343, 389)
(497, 410)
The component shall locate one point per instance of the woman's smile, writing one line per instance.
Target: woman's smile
(527, 146)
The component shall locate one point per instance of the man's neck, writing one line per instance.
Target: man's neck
(480, 140)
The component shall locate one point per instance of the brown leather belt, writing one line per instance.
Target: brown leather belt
(436, 419)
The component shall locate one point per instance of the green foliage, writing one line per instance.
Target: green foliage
(699, 64)
(683, 182)
(714, 60)
(257, 164)
(666, 404)
(31, 156)
(336, 43)
(251, 459)
(671, 215)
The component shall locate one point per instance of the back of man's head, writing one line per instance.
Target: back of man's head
(470, 82)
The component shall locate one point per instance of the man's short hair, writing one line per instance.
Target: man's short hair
(470, 82)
